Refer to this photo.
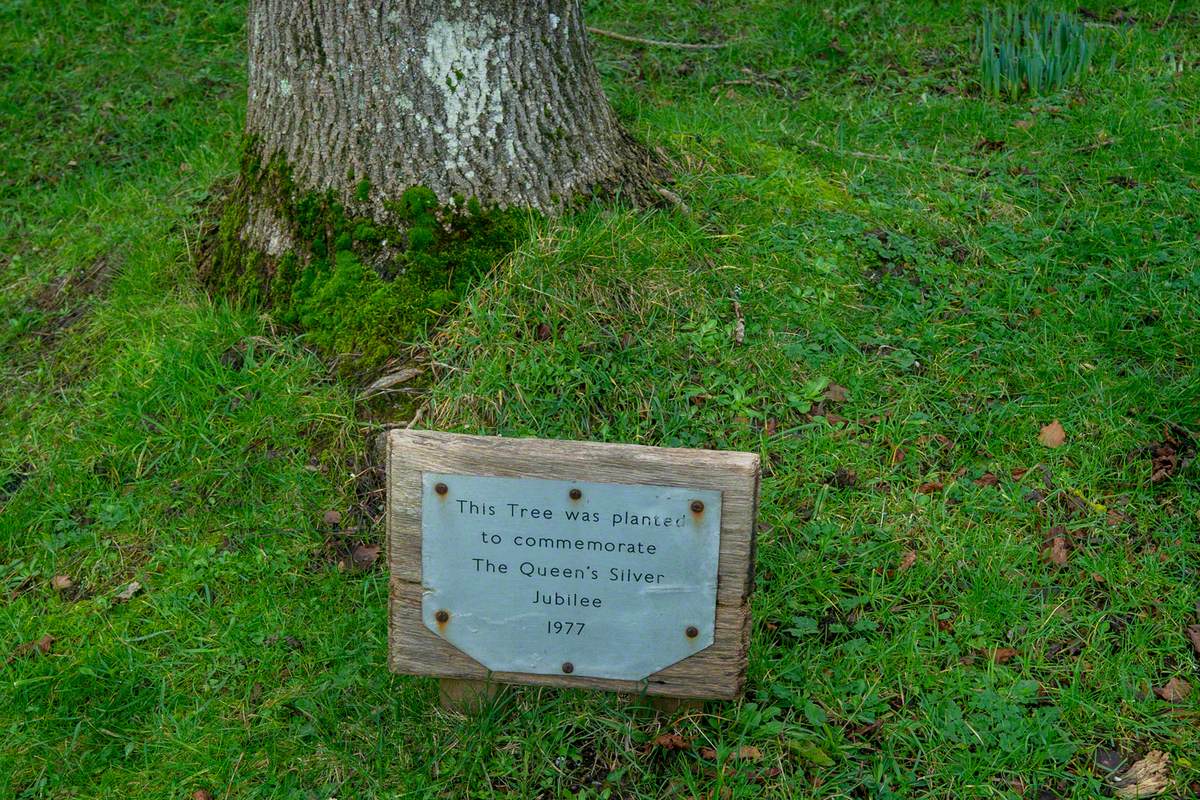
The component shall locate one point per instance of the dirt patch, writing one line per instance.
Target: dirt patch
(64, 300)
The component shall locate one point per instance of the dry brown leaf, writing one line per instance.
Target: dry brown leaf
(897, 455)
(843, 478)
(331, 517)
(1117, 517)
(747, 752)
(1003, 655)
(1024, 124)
(390, 381)
(1053, 435)
(1146, 778)
(126, 594)
(987, 479)
(61, 583)
(1018, 472)
(907, 560)
(931, 487)
(1193, 634)
(1175, 690)
(835, 393)
(1057, 550)
(671, 741)
(41, 646)
(202, 794)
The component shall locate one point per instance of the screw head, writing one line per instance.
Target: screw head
(442, 616)
(575, 494)
(568, 667)
(697, 506)
(692, 631)
(441, 488)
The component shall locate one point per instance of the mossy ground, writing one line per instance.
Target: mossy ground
(968, 270)
(359, 290)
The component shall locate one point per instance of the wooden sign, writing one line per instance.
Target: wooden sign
(609, 566)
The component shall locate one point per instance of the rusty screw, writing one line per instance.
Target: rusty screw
(568, 667)
(442, 616)
(692, 631)
(575, 494)
(697, 506)
(441, 488)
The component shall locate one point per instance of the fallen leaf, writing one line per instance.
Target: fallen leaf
(843, 478)
(1053, 435)
(1176, 690)
(1057, 549)
(907, 560)
(60, 583)
(1018, 472)
(672, 741)
(707, 752)
(987, 479)
(1146, 778)
(126, 594)
(1003, 655)
(747, 752)
(37, 646)
(1108, 760)
(202, 794)
(835, 393)
(771, 427)
(1024, 124)
(897, 455)
(1193, 634)
(930, 487)
(1117, 517)
(331, 517)
(544, 332)
(392, 379)
(1172, 454)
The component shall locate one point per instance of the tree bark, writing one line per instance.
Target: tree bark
(496, 100)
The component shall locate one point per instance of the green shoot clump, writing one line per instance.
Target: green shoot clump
(1032, 50)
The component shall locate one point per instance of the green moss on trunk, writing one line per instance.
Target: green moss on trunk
(356, 288)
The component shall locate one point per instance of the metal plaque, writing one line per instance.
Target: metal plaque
(552, 577)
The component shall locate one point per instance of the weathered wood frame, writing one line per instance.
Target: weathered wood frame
(718, 671)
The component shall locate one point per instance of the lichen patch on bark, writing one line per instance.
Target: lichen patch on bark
(493, 99)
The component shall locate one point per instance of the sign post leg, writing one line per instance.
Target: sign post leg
(466, 696)
(675, 705)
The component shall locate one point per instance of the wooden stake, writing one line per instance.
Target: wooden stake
(466, 696)
(670, 706)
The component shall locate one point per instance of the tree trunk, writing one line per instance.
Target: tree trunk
(495, 100)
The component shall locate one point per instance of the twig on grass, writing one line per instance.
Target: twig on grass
(657, 42)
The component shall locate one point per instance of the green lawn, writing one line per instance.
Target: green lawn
(926, 278)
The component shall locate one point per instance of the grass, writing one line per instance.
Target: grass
(992, 267)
